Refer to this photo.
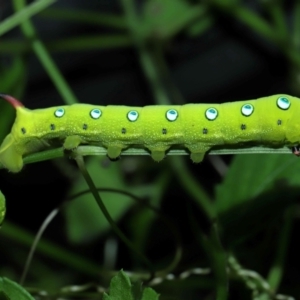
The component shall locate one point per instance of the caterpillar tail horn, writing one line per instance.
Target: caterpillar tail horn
(9, 157)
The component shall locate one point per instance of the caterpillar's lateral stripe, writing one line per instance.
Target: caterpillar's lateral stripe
(270, 121)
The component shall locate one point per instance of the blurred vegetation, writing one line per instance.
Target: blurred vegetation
(224, 229)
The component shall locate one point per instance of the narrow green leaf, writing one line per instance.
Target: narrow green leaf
(255, 22)
(44, 57)
(296, 25)
(24, 14)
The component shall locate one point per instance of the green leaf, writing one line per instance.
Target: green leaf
(137, 290)
(251, 175)
(121, 289)
(85, 220)
(10, 290)
(164, 19)
(150, 294)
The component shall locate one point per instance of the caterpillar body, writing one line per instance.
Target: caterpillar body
(269, 121)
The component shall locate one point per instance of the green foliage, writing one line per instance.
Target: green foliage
(259, 173)
(25, 14)
(84, 221)
(121, 289)
(10, 290)
(162, 20)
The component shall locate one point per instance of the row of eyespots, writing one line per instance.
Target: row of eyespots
(95, 113)
(248, 109)
(172, 114)
(132, 115)
(212, 113)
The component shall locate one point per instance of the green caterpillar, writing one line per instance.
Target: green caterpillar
(269, 121)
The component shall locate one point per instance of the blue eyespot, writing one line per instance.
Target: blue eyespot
(171, 115)
(59, 112)
(283, 103)
(211, 113)
(95, 113)
(132, 115)
(247, 110)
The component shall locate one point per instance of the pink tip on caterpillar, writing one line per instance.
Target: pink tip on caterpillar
(296, 150)
(13, 101)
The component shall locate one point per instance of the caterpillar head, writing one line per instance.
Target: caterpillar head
(10, 153)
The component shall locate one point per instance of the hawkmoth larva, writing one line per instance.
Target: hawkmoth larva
(270, 121)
